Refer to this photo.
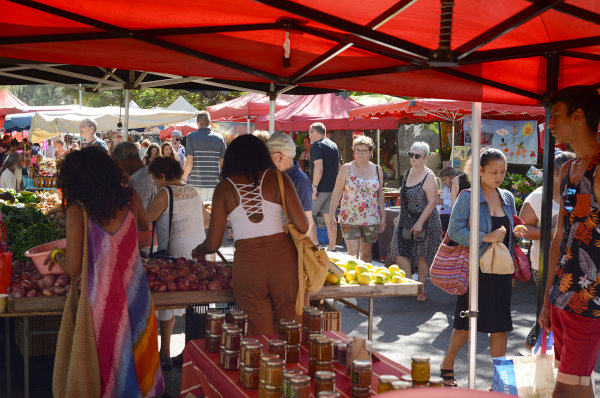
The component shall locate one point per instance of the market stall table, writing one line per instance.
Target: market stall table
(201, 374)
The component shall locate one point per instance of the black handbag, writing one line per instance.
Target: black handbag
(410, 219)
(164, 252)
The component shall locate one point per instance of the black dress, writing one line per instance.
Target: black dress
(494, 296)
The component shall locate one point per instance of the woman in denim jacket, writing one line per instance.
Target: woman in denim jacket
(496, 210)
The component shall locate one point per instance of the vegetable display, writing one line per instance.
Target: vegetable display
(26, 281)
(170, 275)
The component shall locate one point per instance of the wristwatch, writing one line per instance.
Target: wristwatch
(315, 186)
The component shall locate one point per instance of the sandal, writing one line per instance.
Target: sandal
(422, 297)
(448, 376)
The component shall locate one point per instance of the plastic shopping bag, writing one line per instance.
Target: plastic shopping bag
(528, 377)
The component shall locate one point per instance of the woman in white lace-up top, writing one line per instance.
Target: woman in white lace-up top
(187, 228)
(265, 269)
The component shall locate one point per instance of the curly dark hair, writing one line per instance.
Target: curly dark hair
(167, 166)
(149, 151)
(92, 177)
(246, 155)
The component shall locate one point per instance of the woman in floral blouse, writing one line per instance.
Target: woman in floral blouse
(362, 214)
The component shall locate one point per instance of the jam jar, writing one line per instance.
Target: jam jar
(315, 320)
(323, 348)
(281, 328)
(243, 344)
(436, 381)
(420, 370)
(328, 394)
(215, 321)
(341, 349)
(299, 387)
(360, 392)
(233, 337)
(292, 353)
(252, 355)
(262, 369)
(231, 360)
(385, 383)
(324, 381)
(361, 373)
(285, 381)
(212, 342)
(305, 312)
(267, 391)
(312, 342)
(277, 347)
(221, 354)
(401, 385)
(230, 313)
(291, 333)
(224, 328)
(274, 372)
(406, 378)
(315, 366)
(241, 320)
(249, 377)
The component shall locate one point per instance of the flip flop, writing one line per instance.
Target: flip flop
(422, 297)
(448, 376)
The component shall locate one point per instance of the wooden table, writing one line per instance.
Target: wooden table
(201, 374)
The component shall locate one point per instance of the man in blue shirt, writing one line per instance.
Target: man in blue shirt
(204, 150)
(87, 129)
(283, 150)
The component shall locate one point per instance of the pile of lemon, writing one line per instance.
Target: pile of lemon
(357, 272)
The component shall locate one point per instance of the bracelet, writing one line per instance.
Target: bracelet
(55, 252)
(315, 186)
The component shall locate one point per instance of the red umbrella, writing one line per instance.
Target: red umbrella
(184, 128)
(249, 105)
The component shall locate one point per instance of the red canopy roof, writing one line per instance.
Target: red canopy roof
(432, 110)
(9, 103)
(249, 105)
(512, 52)
(330, 109)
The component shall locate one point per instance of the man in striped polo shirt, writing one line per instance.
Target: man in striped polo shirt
(204, 150)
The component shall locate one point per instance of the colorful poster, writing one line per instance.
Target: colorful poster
(518, 139)
(460, 156)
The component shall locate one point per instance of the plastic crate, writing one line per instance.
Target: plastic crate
(39, 344)
(322, 235)
(195, 318)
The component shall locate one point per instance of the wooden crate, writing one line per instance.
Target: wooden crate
(332, 317)
(42, 344)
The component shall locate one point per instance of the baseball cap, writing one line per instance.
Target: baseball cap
(176, 133)
(279, 142)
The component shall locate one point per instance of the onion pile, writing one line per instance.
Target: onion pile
(26, 281)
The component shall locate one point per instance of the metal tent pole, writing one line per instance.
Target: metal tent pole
(452, 145)
(248, 124)
(474, 243)
(378, 146)
(126, 121)
(272, 98)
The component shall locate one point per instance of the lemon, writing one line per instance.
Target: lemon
(350, 276)
(402, 274)
(353, 282)
(364, 278)
(385, 273)
(380, 279)
(332, 279)
(379, 269)
(396, 279)
(394, 268)
(369, 265)
(351, 264)
(361, 269)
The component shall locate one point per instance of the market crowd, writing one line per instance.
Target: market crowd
(168, 185)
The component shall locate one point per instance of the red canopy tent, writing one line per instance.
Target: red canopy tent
(248, 106)
(330, 109)
(9, 104)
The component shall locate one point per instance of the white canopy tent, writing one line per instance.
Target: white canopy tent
(106, 118)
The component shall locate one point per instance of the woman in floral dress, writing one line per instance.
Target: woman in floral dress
(362, 214)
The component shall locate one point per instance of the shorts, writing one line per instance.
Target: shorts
(369, 233)
(322, 203)
(576, 346)
(165, 315)
(206, 194)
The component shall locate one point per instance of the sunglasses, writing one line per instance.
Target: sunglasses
(570, 198)
(414, 155)
(177, 139)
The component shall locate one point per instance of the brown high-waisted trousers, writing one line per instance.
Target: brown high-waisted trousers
(265, 280)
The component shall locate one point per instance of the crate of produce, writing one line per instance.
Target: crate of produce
(195, 318)
(332, 317)
(45, 334)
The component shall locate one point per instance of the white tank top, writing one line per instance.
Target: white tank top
(255, 216)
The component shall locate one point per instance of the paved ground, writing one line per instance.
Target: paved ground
(402, 327)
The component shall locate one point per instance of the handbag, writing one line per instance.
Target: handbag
(450, 268)
(76, 364)
(497, 260)
(163, 252)
(313, 263)
(407, 233)
(532, 376)
(522, 266)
